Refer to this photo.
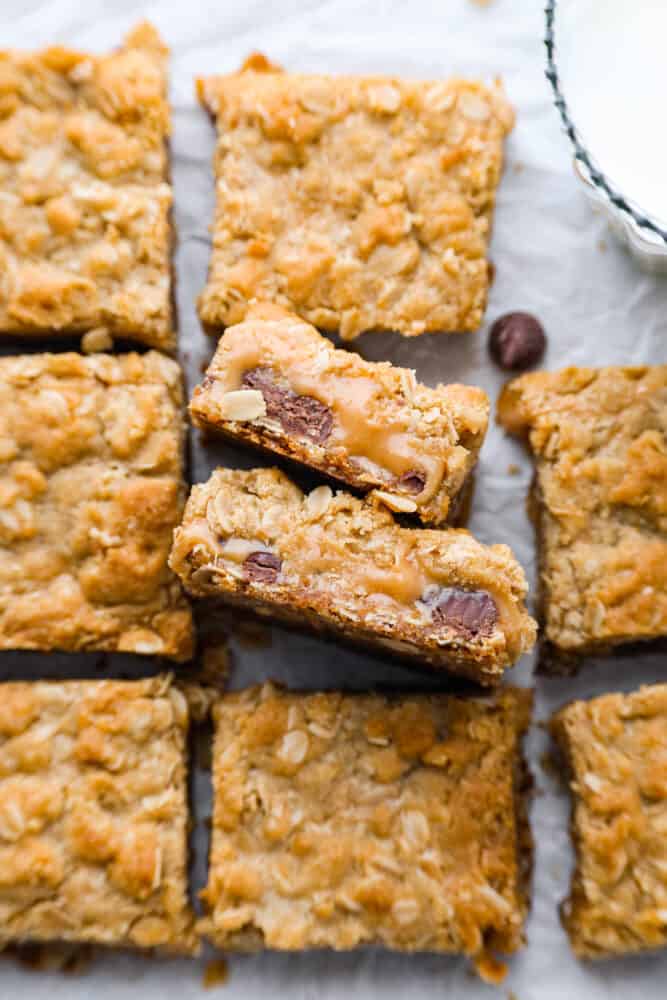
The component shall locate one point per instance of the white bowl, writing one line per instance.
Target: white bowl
(644, 236)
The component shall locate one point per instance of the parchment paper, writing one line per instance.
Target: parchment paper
(554, 258)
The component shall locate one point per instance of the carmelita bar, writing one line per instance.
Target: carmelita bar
(252, 538)
(276, 383)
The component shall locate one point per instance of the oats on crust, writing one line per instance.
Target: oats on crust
(344, 820)
(616, 748)
(85, 231)
(599, 437)
(360, 203)
(91, 488)
(93, 814)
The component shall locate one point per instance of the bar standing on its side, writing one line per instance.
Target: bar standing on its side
(276, 383)
(344, 565)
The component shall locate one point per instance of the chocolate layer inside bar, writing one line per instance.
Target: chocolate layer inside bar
(335, 562)
(277, 383)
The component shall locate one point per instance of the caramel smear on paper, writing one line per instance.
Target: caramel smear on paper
(216, 974)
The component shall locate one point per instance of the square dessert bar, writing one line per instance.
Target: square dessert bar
(599, 436)
(616, 747)
(85, 233)
(91, 488)
(93, 814)
(359, 203)
(275, 382)
(344, 820)
(252, 538)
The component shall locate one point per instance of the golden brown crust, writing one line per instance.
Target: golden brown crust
(91, 488)
(344, 564)
(360, 203)
(343, 820)
(93, 814)
(599, 437)
(616, 747)
(85, 234)
(384, 430)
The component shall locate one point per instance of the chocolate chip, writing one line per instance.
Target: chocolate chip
(413, 481)
(262, 567)
(517, 341)
(473, 613)
(303, 416)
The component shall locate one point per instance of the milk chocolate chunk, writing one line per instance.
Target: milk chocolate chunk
(262, 567)
(413, 481)
(350, 569)
(517, 341)
(301, 415)
(471, 612)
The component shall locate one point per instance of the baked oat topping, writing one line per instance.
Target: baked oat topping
(360, 203)
(277, 383)
(93, 814)
(599, 436)
(251, 537)
(343, 820)
(616, 747)
(91, 488)
(85, 236)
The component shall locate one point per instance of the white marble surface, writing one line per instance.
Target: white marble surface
(553, 257)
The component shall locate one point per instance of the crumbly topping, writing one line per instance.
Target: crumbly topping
(91, 488)
(275, 382)
(253, 536)
(616, 746)
(343, 820)
(360, 203)
(93, 814)
(85, 237)
(599, 437)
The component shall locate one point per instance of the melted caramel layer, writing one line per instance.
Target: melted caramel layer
(371, 424)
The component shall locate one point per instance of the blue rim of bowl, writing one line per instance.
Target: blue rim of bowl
(581, 154)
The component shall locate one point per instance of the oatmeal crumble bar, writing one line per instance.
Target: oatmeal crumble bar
(91, 488)
(334, 562)
(360, 203)
(275, 382)
(343, 819)
(85, 232)
(599, 437)
(93, 814)
(616, 747)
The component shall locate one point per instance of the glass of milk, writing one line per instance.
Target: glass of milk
(608, 69)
